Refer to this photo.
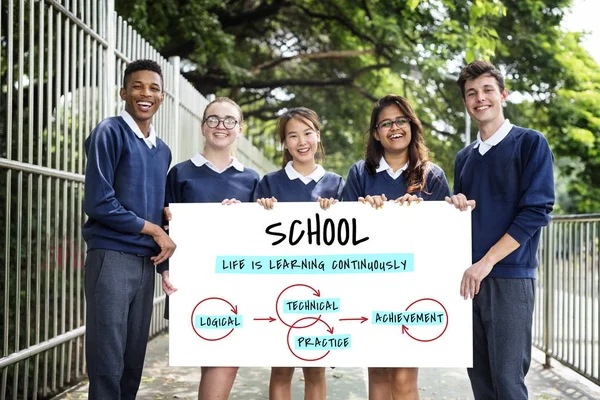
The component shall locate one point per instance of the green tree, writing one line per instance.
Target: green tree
(338, 57)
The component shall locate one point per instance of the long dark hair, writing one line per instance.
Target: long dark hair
(307, 116)
(418, 154)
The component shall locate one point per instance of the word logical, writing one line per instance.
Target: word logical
(218, 321)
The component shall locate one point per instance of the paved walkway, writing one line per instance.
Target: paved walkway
(161, 382)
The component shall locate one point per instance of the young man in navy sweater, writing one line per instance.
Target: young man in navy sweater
(508, 172)
(124, 197)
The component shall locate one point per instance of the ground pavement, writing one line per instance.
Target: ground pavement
(161, 382)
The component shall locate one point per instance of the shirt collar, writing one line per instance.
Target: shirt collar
(292, 174)
(384, 166)
(136, 129)
(497, 137)
(199, 160)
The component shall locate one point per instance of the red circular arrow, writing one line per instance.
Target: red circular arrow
(405, 330)
(316, 293)
(233, 310)
(329, 329)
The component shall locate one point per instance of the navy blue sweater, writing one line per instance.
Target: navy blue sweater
(360, 184)
(124, 187)
(278, 185)
(513, 184)
(188, 183)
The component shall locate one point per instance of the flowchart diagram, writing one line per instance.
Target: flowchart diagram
(243, 300)
(302, 312)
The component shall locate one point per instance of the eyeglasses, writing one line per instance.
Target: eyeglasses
(213, 121)
(387, 124)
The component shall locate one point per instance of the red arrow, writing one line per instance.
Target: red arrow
(234, 310)
(270, 319)
(330, 330)
(405, 329)
(361, 319)
(316, 292)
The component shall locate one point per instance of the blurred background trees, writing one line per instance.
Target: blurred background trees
(338, 56)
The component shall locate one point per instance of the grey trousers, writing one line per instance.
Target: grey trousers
(502, 322)
(119, 294)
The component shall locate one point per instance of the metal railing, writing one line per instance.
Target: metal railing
(567, 319)
(61, 67)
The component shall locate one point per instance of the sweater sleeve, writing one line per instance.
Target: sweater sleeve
(172, 195)
(437, 184)
(458, 164)
(103, 149)
(255, 182)
(353, 189)
(172, 191)
(536, 188)
(263, 190)
(340, 189)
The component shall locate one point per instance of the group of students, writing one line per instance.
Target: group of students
(127, 184)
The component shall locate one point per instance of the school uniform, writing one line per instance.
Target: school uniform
(198, 181)
(289, 185)
(124, 187)
(510, 175)
(393, 184)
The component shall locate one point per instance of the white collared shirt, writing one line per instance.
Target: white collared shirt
(199, 160)
(150, 140)
(384, 166)
(292, 174)
(497, 137)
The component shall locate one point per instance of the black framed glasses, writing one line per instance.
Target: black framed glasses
(212, 121)
(387, 124)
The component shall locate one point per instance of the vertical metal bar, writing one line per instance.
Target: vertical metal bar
(9, 120)
(563, 286)
(67, 96)
(80, 137)
(571, 293)
(4, 352)
(40, 188)
(20, 128)
(176, 106)
(58, 135)
(94, 63)
(31, 105)
(586, 267)
(580, 314)
(93, 103)
(48, 232)
(549, 293)
(594, 320)
(110, 59)
(71, 234)
(576, 269)
(547, 234)
(553, 293)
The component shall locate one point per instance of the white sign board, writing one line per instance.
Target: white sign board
(299, 286)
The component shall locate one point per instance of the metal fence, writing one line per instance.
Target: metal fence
(567, 317)
(61, 64)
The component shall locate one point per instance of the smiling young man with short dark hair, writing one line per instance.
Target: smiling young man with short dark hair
(125, 182)
(508, 172)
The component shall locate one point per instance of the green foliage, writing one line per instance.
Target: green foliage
(338, 57)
